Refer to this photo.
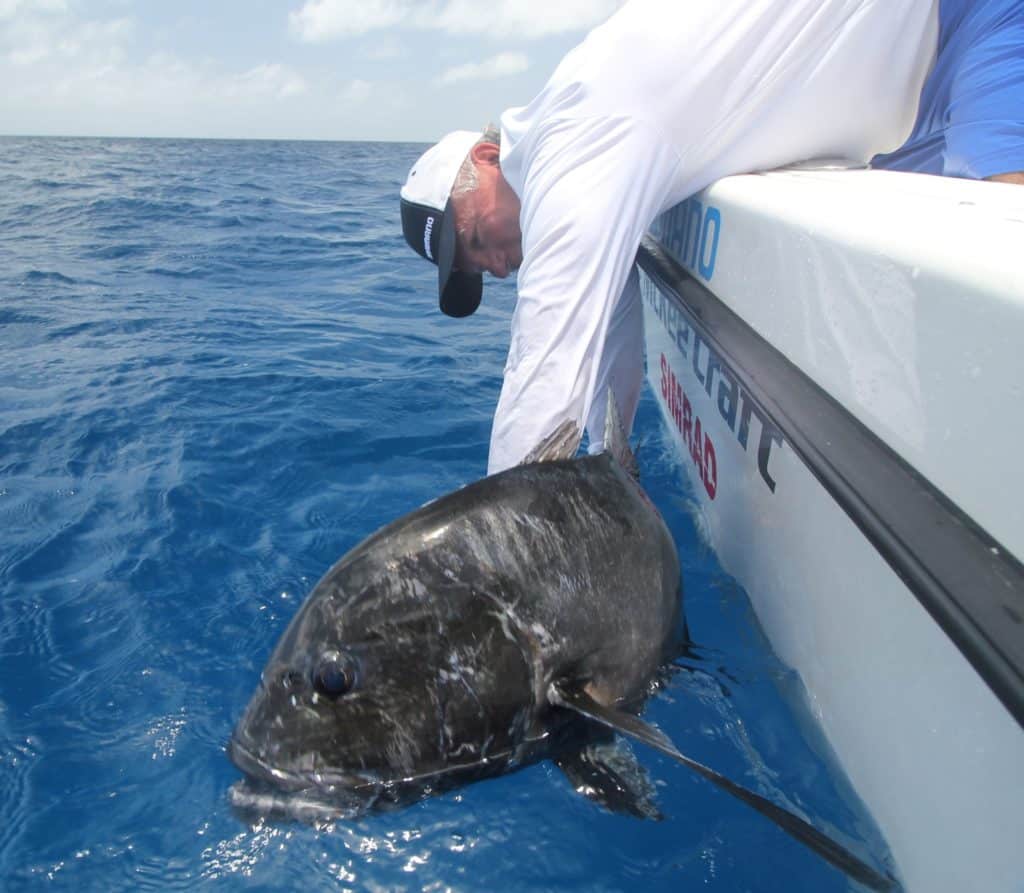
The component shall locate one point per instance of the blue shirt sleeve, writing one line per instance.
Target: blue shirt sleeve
(971, 119)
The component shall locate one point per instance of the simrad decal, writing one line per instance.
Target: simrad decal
(735, 406)
(697, 441)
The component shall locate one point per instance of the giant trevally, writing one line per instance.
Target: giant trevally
(428, 654)
(515, 619)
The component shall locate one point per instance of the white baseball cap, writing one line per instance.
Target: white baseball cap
(428, 223)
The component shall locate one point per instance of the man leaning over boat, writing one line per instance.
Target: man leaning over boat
(656, 104)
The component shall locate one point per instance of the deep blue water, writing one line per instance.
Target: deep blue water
(220, 368)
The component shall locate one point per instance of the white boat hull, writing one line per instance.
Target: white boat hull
(902, 296)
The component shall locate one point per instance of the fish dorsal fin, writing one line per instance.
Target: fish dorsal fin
(572, 697)
(562, 443)
(615, 440)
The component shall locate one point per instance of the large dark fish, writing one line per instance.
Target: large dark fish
(518, 618)
(427, 655)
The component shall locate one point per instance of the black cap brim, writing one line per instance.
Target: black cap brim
(458, 293)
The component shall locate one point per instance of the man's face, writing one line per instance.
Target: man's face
(488, 238)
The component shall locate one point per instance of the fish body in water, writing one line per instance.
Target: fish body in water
(431, 654)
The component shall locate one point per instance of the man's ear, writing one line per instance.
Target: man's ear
(485, 154)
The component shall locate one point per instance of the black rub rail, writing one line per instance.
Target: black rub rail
(970, 584)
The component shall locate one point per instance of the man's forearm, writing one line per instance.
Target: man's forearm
(1016, 177)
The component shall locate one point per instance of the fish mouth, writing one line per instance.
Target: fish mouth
(324, 784)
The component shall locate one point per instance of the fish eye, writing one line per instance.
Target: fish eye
(335, 675)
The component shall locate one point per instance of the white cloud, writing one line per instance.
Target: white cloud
(322, 20)
(166, 81)
(270, 79)
(9, 8)
(499, 66)
(82, 76)
(33, 36)
(523, 19)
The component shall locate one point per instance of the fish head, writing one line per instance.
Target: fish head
(369, 696)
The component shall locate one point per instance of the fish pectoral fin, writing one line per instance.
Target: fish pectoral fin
(572, 697)
(608, 773)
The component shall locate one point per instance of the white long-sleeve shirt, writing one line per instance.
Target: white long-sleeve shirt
(660, 101)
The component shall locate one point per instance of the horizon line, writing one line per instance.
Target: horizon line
(223, 139)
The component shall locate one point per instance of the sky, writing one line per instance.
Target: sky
(278, 69)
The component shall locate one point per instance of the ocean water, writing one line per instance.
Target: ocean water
(220, 369)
